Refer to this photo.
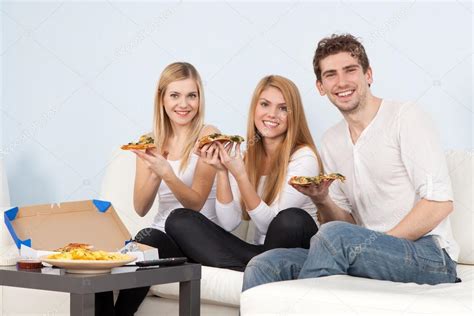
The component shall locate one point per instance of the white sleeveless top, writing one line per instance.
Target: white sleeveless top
(168, 202)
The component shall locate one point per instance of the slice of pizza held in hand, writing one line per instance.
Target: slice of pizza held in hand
(216, 137)
(144, 142)
(306, 181)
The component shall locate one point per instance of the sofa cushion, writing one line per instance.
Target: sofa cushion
(345, 295)
(460, 165)
(218, 286)
(117, 187)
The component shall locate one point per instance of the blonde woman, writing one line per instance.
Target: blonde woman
(279, 146)
(172, 171)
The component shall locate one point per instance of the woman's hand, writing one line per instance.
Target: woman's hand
(155, 162)
(232, 161)
(209, 153)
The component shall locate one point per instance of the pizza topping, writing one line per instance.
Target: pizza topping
(144, 142)
(236, 138)
(301, 180)
(219, 137)
(74, 245)
(214, 136)
(87, 254)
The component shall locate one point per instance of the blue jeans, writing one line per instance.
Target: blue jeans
(344, 248)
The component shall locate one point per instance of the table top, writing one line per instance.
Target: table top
(55, 279)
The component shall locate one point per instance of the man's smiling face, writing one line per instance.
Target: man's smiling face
(344, 81)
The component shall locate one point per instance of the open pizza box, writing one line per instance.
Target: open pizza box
(40, 229)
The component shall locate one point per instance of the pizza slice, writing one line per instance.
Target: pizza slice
(306, 181)
(144, 142)
(332, 176)
(301, 180)
(216, 137)
(71, 246)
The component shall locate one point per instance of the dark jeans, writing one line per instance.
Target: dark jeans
(129, 300)
(205, 242)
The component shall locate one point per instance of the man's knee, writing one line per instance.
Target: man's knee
(335, 231)
(335, 228)
(274, 265)
(266, 258)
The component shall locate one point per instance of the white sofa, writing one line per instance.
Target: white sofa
(344, 295)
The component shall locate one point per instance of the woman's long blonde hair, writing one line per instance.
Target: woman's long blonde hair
(298, 135)
(162, 129)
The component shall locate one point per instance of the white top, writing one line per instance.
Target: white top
(396, 161)
(303, 162)
(168, 202)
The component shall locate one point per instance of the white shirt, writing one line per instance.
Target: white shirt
(167, 202)
(303, 162)
(396, 162)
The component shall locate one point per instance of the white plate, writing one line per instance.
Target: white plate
(87, 266)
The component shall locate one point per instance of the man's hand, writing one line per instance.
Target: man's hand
(327, 209)
(317, 192)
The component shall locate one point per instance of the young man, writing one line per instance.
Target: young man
(389, 220)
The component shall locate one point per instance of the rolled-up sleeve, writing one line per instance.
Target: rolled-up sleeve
(422, 155)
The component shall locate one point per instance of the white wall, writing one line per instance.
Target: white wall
(79, 77)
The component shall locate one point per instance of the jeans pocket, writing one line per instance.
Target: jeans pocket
(430, 256)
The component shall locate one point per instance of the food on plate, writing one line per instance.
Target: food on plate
(86, 254)
(77, 251)
(220, 138)
(145, 141)
(305, 181)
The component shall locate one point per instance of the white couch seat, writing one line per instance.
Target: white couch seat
(346, 295)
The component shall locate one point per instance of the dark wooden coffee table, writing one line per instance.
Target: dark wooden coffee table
(82, 287)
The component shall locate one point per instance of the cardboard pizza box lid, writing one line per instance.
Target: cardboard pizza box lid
(51, 226)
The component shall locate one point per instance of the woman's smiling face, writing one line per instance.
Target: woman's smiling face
(181, 101)
(271, 113)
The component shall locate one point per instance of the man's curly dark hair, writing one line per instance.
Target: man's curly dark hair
(335, 44)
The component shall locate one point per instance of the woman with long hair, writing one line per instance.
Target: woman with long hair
(255, 186)
(171, 170)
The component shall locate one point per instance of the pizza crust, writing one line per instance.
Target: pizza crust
(137, 147)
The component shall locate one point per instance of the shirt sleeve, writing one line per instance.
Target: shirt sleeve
(422, 155)
(230, 215)
(303, 163)
(335, 191)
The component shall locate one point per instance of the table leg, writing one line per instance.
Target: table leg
(190, 298)
(82, 304)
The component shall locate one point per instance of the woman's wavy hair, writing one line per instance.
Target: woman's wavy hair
(297, 135)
